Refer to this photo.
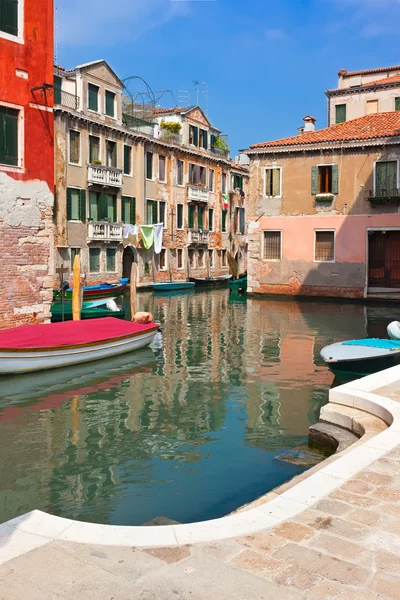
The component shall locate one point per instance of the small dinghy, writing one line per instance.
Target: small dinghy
(211, 281)
(171, 286)
(364, 356)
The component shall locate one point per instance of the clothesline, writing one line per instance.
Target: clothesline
(151, 234)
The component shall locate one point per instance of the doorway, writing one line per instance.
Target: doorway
(128, 258)
(384, 259)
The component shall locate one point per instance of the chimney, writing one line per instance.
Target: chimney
(309, 124)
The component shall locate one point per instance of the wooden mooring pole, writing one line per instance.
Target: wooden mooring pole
(133, 297)
(76, 289)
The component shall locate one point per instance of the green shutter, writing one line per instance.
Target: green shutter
(314, 181)
(102, 207)
(123, 208)
(196, 136)
(205, 139)
(9, 16)
(223, 224)
(200, 217)
(69, 204)
(110, 97)
(335, 179)
(93, 94)
(133, 211)
(127, 160)
(212, 140)
(154, 212)
(241, 220)
(397, 103)
(8, 135)
(340, 113)
(57, 89)
(210, 219)
(82, 206)
(190, 217)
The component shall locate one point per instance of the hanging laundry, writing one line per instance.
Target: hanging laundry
(158, 231)
(131, 230)
(147, 235)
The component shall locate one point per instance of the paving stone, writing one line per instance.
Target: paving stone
(333, 507)
(337, 546)
(262, 565)
(386, 493)
(264, 541)
(390, 587)
(391, 509)
(388, 562)
(222, 550)
(296, 577)
(374, 478)
(353, 594)
(364, 516)
(361, 501)
(293, 531)
(169, 555)
(327, 590)
(357, 487)
(322, 564)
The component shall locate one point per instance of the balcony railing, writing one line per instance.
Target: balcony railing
(220, 152)
(198, 237)
(105, 175)
(197, 194)
(103, 230)
(66, 99)
(169, 136)
(383, 196)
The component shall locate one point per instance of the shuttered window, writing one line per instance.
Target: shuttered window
(205, 140)
(161, 167)
(180, 258)
(74, 252)
(179, 216)
(94, 260)
(211, 179)
(149, 165)
(223, 184)
(57, 88)
(162, 217)
(111, 154)
(93, 97)
(94, 200)
(9, 16)
(179, 176)
(193, 135)
(210, 219)
(224, 258)
(190, 217)
(200, 217)
(76, 205)
(8, 136)
(386, 178)
(340, 113)
(324, 246)
(74, 147)
(238, 182)
(110, 104)
(127, 160)
(273, 181)
(111, 263)
(129, 210)
(272, 245)
(151, 212)
(223, 221)
(397, 103)
(325, 179)
(94, 148)
(111, 202)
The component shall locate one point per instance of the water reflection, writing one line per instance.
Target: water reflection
(190, 430)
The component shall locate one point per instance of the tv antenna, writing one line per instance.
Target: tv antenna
(201, 87)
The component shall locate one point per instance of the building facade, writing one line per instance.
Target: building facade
(115, 168)
(324, 210)
(26, 161)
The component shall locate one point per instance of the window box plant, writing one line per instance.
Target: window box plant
(324, 198)
(171, 126)
(96, 161)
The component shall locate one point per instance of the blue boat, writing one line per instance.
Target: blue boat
(171, 286)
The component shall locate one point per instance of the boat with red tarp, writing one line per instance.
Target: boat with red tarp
(38, 347)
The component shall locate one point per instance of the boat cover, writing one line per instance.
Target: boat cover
(69, 333)
(375, 343)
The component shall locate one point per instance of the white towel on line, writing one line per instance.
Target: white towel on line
(131, 230)
(158, 232)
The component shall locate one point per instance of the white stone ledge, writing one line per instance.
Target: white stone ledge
(36, 528)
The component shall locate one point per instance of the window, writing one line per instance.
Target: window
(110, 103)
(272, 245)
(193, 135)
(162, 217)
(224, 183)
(9, 16)
(57, 83)
(111, 207)
(197, 174)
(74, 147)
(179, 216)
(93, 97)
(190, 216)
(179, 172)
(324, 246)
(224, 258)
(191, 256)
(325, 179)
(210, 219)
(74, 252)
(8, 135)
(110, 255)
(239, 220)
(211, 258)
(340, 113)
(94, 260)
(386, 178)
(127, 160)
(161, 167)
(149, 165)
(94, 202)
(94, 148)
(273, 182)
(203, 139)
(200, 262)
(128, 209)
(211, 179)
(200, 217)
(223, 221)
(111, 153)
(163, 260)
(102, 206)
(372, 107)
(180, 258)
(151, 212)
(397, 103)
(76, 205)
(238, 182)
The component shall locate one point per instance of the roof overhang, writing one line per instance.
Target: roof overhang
(339, 145)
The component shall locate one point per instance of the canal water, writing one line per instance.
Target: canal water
(212, 417)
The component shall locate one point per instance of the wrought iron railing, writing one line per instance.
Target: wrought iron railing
(66, 99)
(383, 195)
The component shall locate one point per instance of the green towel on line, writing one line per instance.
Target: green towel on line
(147, 235)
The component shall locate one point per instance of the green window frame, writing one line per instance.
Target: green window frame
(223, 221)
(94, 260)
(200, 217)
(127, 160)
(74, 252)
(397, 103)
(93, 97)
(128, 210)
(9, 135)
(151, 212)
(210, 219)
(57, 84)
(340, 113)
(149, 165)
(111, 153)
(238, 182)
(94, 202)
(162, 213)
(74, 147)
(76, 204)
(111, 260)
(179, 216)
(179, 172)
(110, 104)
(190, 216)
(111, 204)
(386, 178)
(9, 16)
(94, 148)
(193, 135)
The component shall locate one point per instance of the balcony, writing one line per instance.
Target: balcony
(169, 136)
(198, 237)
(66, 99)
(383, 196)
(105, 231)
(105, 175)
(197, 194)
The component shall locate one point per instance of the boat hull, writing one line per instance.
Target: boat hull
(210, 281)
(172, 286)
(27, 361)
(86, 313)
(361, 360)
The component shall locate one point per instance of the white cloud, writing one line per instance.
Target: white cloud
(84, 22)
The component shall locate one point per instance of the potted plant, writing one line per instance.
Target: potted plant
(96, 161)
(324, 197)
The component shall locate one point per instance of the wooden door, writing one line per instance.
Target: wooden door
(392, 259)
(384, 259)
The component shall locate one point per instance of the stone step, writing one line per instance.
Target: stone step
(330, 438)
(355, 420)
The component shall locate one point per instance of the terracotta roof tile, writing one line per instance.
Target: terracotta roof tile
(168, 111)
(366, 71)
(383, 81)
(365, 128)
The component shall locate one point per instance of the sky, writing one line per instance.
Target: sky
(267, 63)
